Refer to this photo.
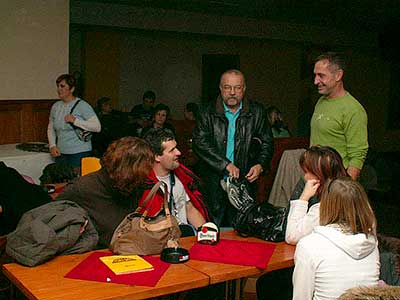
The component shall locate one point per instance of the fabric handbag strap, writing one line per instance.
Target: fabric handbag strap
(71, 111)
(163, 223)
(73, 107)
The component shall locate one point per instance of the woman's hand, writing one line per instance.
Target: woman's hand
(69, 119)
(54, 151)
(310, 189)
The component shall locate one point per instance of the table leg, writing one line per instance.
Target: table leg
(12, 292)
(234, 289)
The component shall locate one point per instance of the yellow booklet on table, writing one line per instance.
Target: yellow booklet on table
(125, 264)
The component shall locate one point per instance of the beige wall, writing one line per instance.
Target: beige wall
(34, 37)
(172, 66)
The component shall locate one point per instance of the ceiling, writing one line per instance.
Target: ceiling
(344, 14)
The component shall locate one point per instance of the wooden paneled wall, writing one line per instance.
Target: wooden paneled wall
(102, 70)
(24, 120)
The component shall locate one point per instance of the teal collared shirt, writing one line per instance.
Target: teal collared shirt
(230, 143)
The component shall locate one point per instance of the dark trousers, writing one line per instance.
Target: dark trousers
(275, 285)
(73, 159)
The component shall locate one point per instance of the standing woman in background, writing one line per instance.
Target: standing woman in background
(64, 143)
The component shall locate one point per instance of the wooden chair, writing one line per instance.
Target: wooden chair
(89, 165)
(389, 250)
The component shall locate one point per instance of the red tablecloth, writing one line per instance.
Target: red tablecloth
(234, 252)
(93, 269)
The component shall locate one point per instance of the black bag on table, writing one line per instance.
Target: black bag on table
(261, 220)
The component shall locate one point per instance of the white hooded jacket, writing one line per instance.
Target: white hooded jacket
(329, 261)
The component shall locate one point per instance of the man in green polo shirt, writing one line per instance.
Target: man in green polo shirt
(339, 120)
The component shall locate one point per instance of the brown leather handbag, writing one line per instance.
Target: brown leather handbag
(142, 235)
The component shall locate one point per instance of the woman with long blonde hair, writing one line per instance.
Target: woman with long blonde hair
(343, 251)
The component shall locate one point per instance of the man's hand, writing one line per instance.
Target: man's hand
(54, 151)
(310, 189)
(254, 173)
(353, 172)
(69, 119)
(233, 170)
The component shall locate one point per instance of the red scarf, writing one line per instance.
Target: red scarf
(187, 178)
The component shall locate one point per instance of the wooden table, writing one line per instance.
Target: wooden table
(232, 274)
(47, 282)
(218, 272)
(25, 162)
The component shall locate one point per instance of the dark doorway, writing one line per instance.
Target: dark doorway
(213, 66)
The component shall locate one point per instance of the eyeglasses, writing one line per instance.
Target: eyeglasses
(236, 88)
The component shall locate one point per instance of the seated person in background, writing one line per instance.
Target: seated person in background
(319, 165)
(103, 107)
(57, 173)
(184, 199)
(111, 193)
(160, 117)
(191, 111)
(141, 114)
(343, 251)
(114, 125)
(278, 127)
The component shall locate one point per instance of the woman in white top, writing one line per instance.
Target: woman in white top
(342, 252)
(319, 164)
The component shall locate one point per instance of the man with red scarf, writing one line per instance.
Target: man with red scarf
(184, 198)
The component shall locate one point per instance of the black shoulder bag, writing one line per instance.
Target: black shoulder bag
(83, 135)
(261, 220)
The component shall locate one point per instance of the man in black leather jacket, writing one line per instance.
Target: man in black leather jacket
(232, 138)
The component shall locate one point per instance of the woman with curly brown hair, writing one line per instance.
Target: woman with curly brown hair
(111, 193)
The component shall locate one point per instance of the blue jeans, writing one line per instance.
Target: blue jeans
(73, 159)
